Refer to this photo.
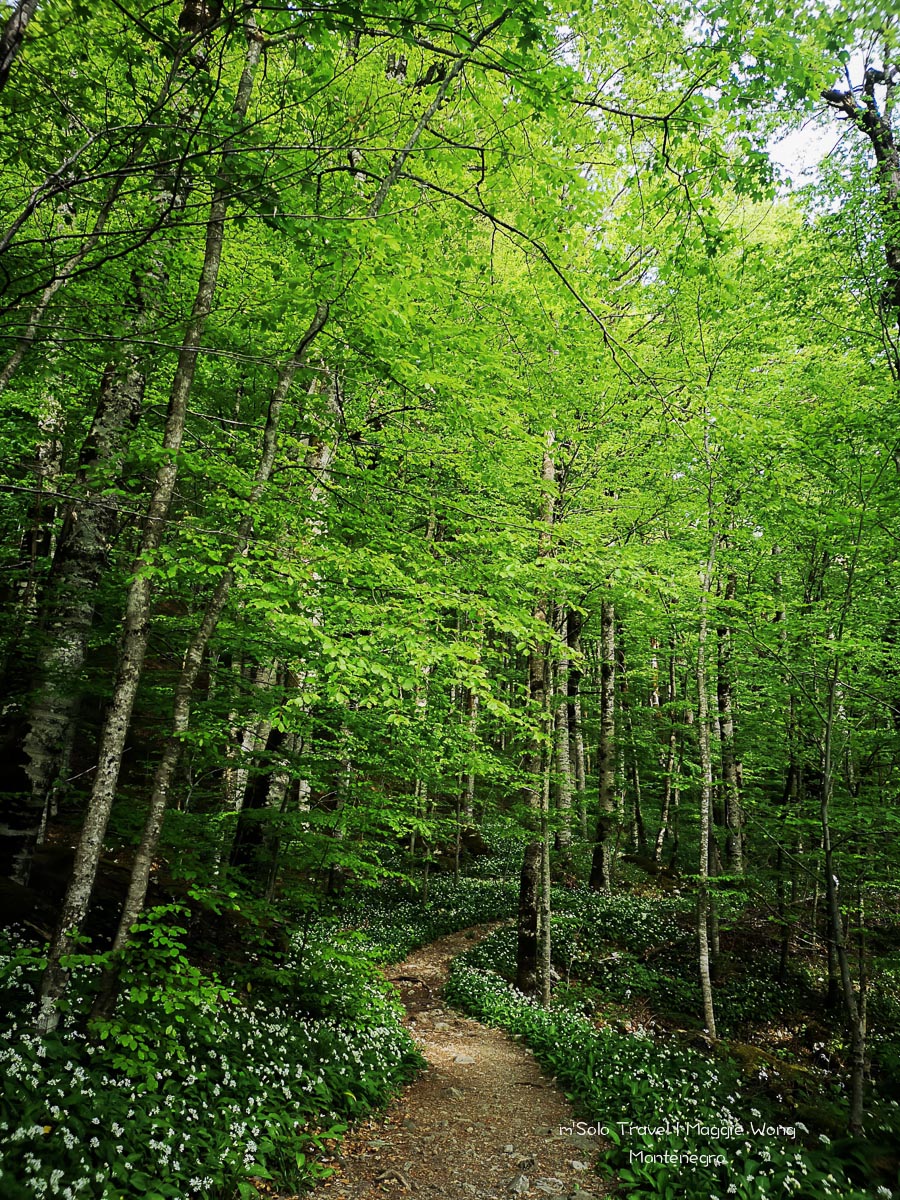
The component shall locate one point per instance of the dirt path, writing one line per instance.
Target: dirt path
(482, 1121)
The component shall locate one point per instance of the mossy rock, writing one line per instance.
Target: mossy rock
(754, 1059)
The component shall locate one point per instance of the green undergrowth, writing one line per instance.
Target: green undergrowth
(193, 1090)
(396, 920)
(679, 1120)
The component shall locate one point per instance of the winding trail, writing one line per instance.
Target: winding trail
(481, 1121)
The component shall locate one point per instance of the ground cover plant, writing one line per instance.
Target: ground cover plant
(681, 1119)
(193, 1089)
(397, 920)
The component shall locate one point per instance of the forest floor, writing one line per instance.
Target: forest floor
(481, 1121)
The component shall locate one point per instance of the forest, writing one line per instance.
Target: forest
(449, 479)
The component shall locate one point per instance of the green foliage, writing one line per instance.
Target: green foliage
(574, 245)
(191, 1090)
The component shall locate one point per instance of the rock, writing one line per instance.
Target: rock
(441, 1025)
(393, 1176)
(509, 1148)
(575, 1165)
(519, 1184)
(464, 1059)
(551, 1186)
(581, 1141)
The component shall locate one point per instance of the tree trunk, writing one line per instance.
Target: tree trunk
(13, 35)
(545, 949)
(469, 803)
(89, 526)
(601, 862)
(665, 816)
(181, 713)
(529, 878)
(563, 761)
(576, 732)
(706, 785)
(277, 801)
(137, 609)
(731, 767)
(253, 738)
(852, 1008)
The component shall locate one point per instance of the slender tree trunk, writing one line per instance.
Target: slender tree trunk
(640, 831)
(665, 815)
(601, 862)
(137, 608)
(854, 1011)
(576, 731)
(241, 753)
(529, 879)
(37, 543)
(277, 803)
(731, 767)
(563, 761)
(249, 837)
(704, 906)
(469, 804)
(545, 955)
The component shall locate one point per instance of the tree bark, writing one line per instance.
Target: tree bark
(13, 35)
(563, 760)
(545, 948)
(853, 1009)
(469, 800)
(704, 906)
(89, 526)
(529, 878)
(601, 862)
(665, 815)
(574, 719)
(731, 767)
